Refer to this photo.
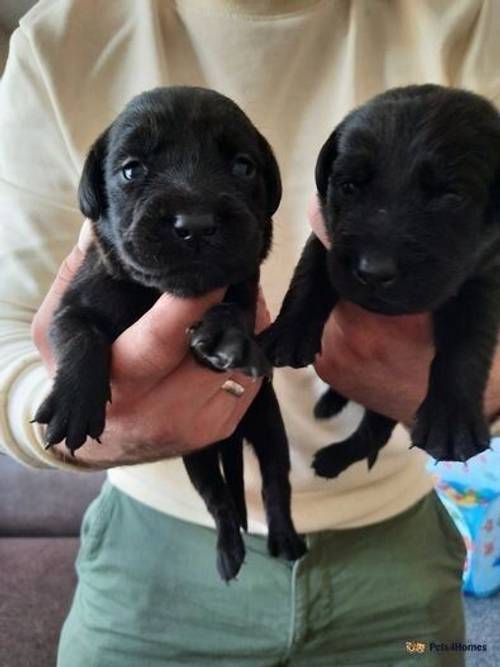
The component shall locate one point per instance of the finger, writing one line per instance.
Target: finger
(316, 220)
(86, 236)
(192, 381)
(157, 343)
(231, 407)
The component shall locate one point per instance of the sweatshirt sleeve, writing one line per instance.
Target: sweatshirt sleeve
(475, 52)
(39, 224)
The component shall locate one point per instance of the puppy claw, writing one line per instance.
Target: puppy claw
(230, 557)
(287, 545)
(285, 344)
(448, 430)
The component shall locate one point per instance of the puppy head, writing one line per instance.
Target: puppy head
(181, 189)
(410, 190)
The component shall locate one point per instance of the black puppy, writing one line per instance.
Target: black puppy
(409, 186)
(181, 189)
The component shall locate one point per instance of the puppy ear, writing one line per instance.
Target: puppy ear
(325, 161)
(91, 191)
(271, 175)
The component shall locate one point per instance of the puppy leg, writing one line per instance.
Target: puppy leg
(76, 406)
(329, 404)
(371, 435)
(294, 338)
(204, 472)
(232, 465)
(263, 427)
(94, 310)
(450, 423)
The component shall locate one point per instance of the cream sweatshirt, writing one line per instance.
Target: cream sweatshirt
(295, 67)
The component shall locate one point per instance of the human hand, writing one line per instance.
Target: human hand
(381, 361)
(164, 403)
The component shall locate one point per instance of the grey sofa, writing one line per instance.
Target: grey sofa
(40, 516)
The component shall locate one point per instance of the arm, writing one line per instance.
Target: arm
(155, 411)
(38, 224)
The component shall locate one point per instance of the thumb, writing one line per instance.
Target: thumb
(157, 343)
(317, 221)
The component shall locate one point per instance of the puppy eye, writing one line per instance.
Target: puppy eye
(243, 167)
(132, 169)
(348, 188)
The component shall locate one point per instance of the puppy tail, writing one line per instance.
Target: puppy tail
(232, 465)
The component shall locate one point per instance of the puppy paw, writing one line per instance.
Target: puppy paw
(327, 464)
(286, 544)
(222, 348)
(290, 344)
(330, 461)
(329, 404)
(230, 553)
(73, 411)
(449, 429)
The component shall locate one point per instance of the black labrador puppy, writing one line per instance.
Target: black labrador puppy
(181, 189)
(409, 185)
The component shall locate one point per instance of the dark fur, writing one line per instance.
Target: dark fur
(196, 160)
(409, 186)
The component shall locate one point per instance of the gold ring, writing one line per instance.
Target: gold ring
(233, 388)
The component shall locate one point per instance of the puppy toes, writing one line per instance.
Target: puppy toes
(286, 544)
(230, 554)
(329, 404)
(287, 344)
(73, 411)
(222, 348)
(326, 464)
(449, 430)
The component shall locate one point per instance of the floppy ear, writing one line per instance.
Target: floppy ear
(272, 176)
(325, 161)
(91, 192)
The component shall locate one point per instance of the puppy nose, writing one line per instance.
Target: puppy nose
(375, 270)
(190, 226)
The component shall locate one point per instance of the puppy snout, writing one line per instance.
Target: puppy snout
(375, 270)
(194, 226)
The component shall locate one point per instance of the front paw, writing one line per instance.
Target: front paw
(290, 343)
(449, 429)
(223, 347)
(73, 411)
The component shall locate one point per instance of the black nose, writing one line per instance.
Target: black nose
(375, 270)
(189, 226)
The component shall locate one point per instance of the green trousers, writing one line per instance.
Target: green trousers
(149, 594)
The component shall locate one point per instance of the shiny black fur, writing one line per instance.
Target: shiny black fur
(181, 189)
(409, 186)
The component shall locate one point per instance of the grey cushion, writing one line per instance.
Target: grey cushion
(37, 581)
(43, 502)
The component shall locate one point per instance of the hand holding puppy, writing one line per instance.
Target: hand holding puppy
(164, 403)
(381, 361)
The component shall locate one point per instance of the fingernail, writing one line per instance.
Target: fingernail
(86, 236)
